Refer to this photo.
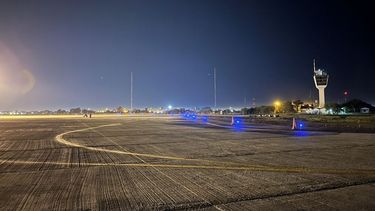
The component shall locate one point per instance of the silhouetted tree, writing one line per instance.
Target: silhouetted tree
(297, 105)
(336, 108)
(264, 110)
(75, 111)
(355, 105)
(287, 107)
(61, 111)
(121, 109)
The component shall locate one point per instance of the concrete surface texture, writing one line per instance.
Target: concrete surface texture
(143, 163)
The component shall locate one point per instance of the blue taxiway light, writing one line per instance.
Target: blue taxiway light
(190, 116)
(237, 122)
(300, 125)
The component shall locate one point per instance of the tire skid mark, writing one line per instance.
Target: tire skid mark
(212, 167)
(30, 193)
(150, 195)
(158, 170)
(119, 179)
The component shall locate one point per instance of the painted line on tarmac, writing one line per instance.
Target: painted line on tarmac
(59, 138)
(220, 165)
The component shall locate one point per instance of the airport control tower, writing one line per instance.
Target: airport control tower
(321, 82)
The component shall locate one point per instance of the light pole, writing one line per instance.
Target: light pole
(215, 88)
(131, 91)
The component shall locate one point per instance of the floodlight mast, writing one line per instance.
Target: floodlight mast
(215, 88)
(131, 91)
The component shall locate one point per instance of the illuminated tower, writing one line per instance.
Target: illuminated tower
(321, 82)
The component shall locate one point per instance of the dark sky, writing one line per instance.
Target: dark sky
(62, 54)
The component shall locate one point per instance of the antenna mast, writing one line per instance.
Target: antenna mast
(314, 64)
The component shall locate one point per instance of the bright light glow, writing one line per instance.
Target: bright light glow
(301, 133)
(277, 106)
(190, 116)
(238, 124)
(277, 103)
(170, 107)
(300, 125)
(237, 121)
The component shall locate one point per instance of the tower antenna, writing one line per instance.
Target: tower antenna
(314, 64)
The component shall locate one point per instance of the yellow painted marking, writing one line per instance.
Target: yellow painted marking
(218, 165)
(59, 138)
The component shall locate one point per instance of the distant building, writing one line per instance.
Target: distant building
(156, 110)
(365, 110)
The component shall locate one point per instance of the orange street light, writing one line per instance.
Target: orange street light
(277, 105)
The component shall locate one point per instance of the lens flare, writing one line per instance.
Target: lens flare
(15, 80)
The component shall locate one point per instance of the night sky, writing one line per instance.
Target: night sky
(63, 54)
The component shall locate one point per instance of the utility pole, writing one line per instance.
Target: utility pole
(131, 91)
(215, 88)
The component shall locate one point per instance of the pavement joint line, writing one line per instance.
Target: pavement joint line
(222, 165)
